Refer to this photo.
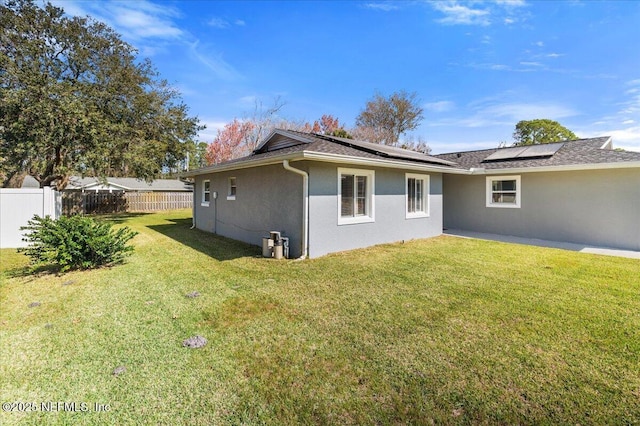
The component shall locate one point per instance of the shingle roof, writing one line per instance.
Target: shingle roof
(313, 143)
(288, 143)
(577, 152)
(133, 184)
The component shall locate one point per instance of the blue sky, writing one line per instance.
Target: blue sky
(478, 67)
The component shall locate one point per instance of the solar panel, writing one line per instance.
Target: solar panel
(543, 150)
(531, 151)
(506, 153)
(392, 151)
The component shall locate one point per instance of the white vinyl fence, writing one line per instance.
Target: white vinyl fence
(17, 206)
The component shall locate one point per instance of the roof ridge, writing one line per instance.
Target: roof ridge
(507, 147)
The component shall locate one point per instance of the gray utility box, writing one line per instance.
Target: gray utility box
(275, 246)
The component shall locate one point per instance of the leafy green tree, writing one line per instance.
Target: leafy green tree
(384, 119)
(533, 132)
(75, 100)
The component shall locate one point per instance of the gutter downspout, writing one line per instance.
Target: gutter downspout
(193, 207)
(305, 213)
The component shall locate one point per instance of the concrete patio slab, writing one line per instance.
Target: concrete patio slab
(582, 248)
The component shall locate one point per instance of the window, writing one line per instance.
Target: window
(417, 195)
(355, 196)
(503, 191)
(231, 195)
(206, 193)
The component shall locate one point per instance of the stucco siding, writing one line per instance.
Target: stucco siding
(268, 198)
(593, 207)
(390, 225)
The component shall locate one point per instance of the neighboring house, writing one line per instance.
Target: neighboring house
(579, 191)
(330, 194)
(326, 194)
(116, 195)
(126, 184)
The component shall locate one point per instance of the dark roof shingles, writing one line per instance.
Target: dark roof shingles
(582, 151)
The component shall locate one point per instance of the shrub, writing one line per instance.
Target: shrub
(75, 242)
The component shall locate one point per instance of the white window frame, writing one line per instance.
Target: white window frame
(234, 185)
(518, 191)
(425, 195)
(204, 192)
(370, 196)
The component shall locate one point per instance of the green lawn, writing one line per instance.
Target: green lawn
(443, 330)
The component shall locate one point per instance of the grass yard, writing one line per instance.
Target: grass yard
(443, 330)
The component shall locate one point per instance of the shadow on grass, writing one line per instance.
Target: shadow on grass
(33, 271)
(118, 218)
(215, 246)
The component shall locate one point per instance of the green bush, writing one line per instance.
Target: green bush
(75, 242)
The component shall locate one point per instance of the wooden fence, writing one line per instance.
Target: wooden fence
(120, 202)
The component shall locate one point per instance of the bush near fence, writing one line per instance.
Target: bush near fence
(74, 202)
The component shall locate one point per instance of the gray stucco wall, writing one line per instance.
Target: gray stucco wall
(268, 198)
(594, 207)
(391, 224)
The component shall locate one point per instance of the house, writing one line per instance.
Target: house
(110, 184)
(127, 184)
(329, 194)
(326, 194)
(580, 191)
(120, 194)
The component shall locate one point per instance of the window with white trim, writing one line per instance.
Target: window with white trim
(206, 193)
(417, 195)
(503, 191)
(355, 196)
(231, 194)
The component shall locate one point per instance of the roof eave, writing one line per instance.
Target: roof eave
(325, 157)
(109, 183)
(374, 162)
(561, 168)
(280, 132)
(243, 164)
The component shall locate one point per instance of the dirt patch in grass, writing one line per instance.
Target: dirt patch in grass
(240, 311)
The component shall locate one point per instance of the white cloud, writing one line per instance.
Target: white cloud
(511, 3)
(214, 62)
(531, 64)
(134, 20)
(213, 125)
(539, 43)
(554, 55)
(478, 12)
(248, 101)
(527, 111)
(218, 23)
(457, 14)
(626, 138)
(439, 106)
(141, 23)
(222, 23)
(385, 7)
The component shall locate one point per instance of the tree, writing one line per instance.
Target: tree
(231, 142)
(533, 132)
(75, 100)
(197, 155)
(383, 119)
(416, 144)
(240, 137)
(264, 120)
